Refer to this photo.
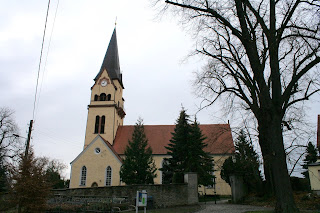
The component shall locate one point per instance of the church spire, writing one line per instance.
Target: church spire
(111, 60)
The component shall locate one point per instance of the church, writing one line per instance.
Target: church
(106, 137)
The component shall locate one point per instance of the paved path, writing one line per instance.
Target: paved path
(210, 207)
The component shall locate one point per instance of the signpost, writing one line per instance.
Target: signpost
(141, 200)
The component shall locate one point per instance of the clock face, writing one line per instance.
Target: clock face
(104, 83)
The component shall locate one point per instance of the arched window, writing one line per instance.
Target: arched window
(96, 126)
(103, 121)
(109, 97)
(103, 96)
(108, 176)
(83, 177)
(96, 97)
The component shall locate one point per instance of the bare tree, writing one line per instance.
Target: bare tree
(9, 141)
(264, 56)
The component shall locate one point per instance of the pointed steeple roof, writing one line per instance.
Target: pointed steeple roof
(111, 60)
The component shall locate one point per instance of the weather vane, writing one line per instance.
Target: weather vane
(115, 23)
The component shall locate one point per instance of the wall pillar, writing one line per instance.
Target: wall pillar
(238, 188)
(191, 179)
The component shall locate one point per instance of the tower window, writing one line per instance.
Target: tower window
(103, 121)
(83, 177)
(108, 97)
(96, 126)
(103, 96)
(108, 176)
(96, 97)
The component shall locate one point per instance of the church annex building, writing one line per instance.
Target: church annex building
(106, 137)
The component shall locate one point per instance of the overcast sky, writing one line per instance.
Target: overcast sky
(156, 78)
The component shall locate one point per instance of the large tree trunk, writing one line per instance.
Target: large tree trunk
(275, 162)
(263, 141)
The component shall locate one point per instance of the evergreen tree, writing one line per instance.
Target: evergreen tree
(178, 148)
(199, 160)
(245, 163)
(311, 157)
(30, 188)
(187, 154)
(138, 165)
(53, 172)
(167, 172)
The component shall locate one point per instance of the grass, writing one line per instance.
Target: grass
(303, 211)
(306, 202)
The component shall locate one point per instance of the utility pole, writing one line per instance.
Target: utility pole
(28, 139)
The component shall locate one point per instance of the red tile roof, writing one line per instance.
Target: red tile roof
(219, 138)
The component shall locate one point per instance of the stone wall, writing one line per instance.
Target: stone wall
(163, 195)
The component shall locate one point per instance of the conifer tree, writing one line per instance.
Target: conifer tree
(200, 161)
(311, 157)
(138, 165)
(245, 163)
(30, 188)
(187, 154)
(178, 148)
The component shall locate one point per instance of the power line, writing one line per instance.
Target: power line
(44, 34)
(45, 64)
(57, 139)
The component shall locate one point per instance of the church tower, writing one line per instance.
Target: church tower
(106, 108)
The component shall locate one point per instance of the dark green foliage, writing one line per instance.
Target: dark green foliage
(30, 188)
(229, 168)
(178, 148)
(299, 184)
(311, 157)
(55, 179)
(244, 163)
(53, 174)
(138, 165)
(199, 160)
(186, 151)
(67, 183)
(167, 174)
